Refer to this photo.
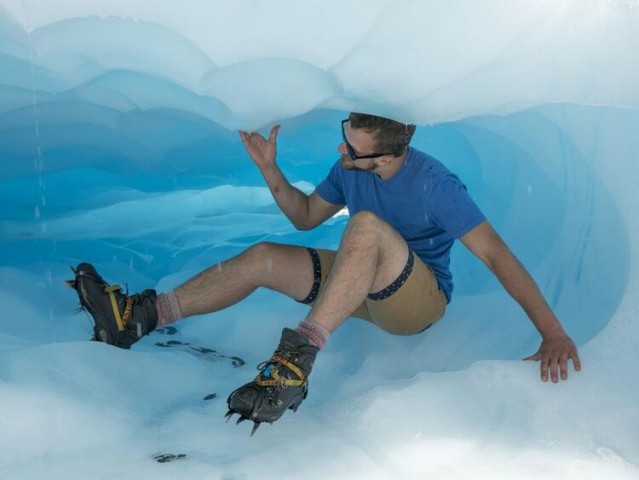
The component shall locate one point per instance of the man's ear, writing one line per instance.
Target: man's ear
(386, 159)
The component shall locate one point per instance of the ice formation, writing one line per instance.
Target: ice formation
(118, 146)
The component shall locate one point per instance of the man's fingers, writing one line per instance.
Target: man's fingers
(563, 366)
(555, 358)
(558, 367)
(273, 134)
(554, 371)
(250, 139)
(575, 361)
(545, 364)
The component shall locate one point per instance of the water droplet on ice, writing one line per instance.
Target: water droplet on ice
(529, 189)
(36, 212)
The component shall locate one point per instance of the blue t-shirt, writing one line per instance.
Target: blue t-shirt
(427, 204)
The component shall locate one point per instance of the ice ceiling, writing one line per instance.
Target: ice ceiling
(118, 145)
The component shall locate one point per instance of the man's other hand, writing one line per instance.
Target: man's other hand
(554, 354)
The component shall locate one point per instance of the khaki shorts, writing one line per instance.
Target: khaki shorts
(412, 308)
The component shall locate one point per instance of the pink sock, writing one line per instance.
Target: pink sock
(317, 335)
(168, 309)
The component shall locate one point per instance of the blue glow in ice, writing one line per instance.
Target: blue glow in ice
(118, 146)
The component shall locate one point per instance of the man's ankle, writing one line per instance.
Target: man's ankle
(168, 309)
(317, 335)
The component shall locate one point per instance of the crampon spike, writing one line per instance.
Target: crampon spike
(70, 284)
(228, 415)
(241, 419)
(256, 425)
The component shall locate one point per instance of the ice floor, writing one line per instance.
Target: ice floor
(118, 146)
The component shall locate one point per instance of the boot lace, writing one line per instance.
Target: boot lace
(271, 374)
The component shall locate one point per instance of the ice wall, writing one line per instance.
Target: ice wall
(118, 146)
(143, 99)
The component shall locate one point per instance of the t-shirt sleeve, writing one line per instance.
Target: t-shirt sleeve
(331, 188)
(452, 207)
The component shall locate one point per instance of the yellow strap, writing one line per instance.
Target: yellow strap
(283, 382)
(127, 311)
(289, 365)
(114, 304)
(277, 380)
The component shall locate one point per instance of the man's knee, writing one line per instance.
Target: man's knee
(262, 250)
(271, 257)
(367, 223)
(365, 218)
(261, 259)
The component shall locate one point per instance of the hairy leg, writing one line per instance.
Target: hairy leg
(284, 268)
(372, 254)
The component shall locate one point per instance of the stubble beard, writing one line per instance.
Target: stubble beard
(348, 164)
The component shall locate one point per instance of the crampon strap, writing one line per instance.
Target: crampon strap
(276, 379)
(120, 320)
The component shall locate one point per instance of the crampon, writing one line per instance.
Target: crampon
(119, 319)
(282, 383)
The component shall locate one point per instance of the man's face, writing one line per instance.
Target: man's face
(361, 143)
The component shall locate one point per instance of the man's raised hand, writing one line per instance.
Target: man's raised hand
(261, 150)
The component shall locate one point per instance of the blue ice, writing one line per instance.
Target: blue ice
(119, 146)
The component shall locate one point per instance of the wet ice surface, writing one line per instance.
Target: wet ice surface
(117, 148)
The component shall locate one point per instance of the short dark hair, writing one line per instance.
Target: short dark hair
(391, 136)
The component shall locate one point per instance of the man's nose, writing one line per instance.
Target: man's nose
(341, 148)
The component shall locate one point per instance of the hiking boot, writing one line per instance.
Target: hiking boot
(120, 319)
(282, 383)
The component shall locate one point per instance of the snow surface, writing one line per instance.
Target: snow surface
(118, 147)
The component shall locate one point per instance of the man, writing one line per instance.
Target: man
(391, 268)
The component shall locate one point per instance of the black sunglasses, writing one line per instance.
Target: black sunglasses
(351, 153)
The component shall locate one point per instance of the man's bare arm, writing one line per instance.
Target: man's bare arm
(557, 347)
(305, 212)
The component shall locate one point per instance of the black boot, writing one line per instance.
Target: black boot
(281, 384)
(120, 319)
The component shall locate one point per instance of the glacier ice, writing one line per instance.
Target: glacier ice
(118, 146)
